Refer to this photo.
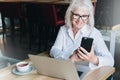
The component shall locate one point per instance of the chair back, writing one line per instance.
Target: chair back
(111, 39)
(54, 15)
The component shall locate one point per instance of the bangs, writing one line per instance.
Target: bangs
(83, 7)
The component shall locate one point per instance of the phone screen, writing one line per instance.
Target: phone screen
(86, 43)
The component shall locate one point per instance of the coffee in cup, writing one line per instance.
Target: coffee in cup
(22, 66)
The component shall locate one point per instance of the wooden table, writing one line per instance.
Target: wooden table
(98, 74)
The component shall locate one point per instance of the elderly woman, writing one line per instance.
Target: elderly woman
(79, 22)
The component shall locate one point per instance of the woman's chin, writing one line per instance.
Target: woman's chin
(78, 27)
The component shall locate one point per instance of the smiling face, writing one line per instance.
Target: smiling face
(79, 17)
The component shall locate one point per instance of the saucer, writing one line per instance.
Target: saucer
(15, 71)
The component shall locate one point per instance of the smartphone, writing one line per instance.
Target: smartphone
(86, 43)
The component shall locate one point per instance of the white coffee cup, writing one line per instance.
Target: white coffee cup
(23, 66)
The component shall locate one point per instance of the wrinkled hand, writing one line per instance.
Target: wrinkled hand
(87, 56)
(74, 57)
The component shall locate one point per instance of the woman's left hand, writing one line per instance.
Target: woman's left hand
(74, 57)
(88, 56)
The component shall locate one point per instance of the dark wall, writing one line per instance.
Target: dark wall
(116, 12)
(104, 13)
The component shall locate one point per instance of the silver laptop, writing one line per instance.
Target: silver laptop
(54, 68)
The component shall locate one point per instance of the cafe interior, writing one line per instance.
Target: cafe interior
(31, 27)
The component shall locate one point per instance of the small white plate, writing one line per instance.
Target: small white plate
(15, 71)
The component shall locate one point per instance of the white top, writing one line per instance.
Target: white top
(65, 45)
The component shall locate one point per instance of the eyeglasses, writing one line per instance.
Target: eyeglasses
(77, 16)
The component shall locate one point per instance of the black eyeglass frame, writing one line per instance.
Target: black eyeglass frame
(79, 16)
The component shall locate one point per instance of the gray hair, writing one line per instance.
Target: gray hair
(87, 4)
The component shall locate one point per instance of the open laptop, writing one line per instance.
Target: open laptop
(55, 68)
